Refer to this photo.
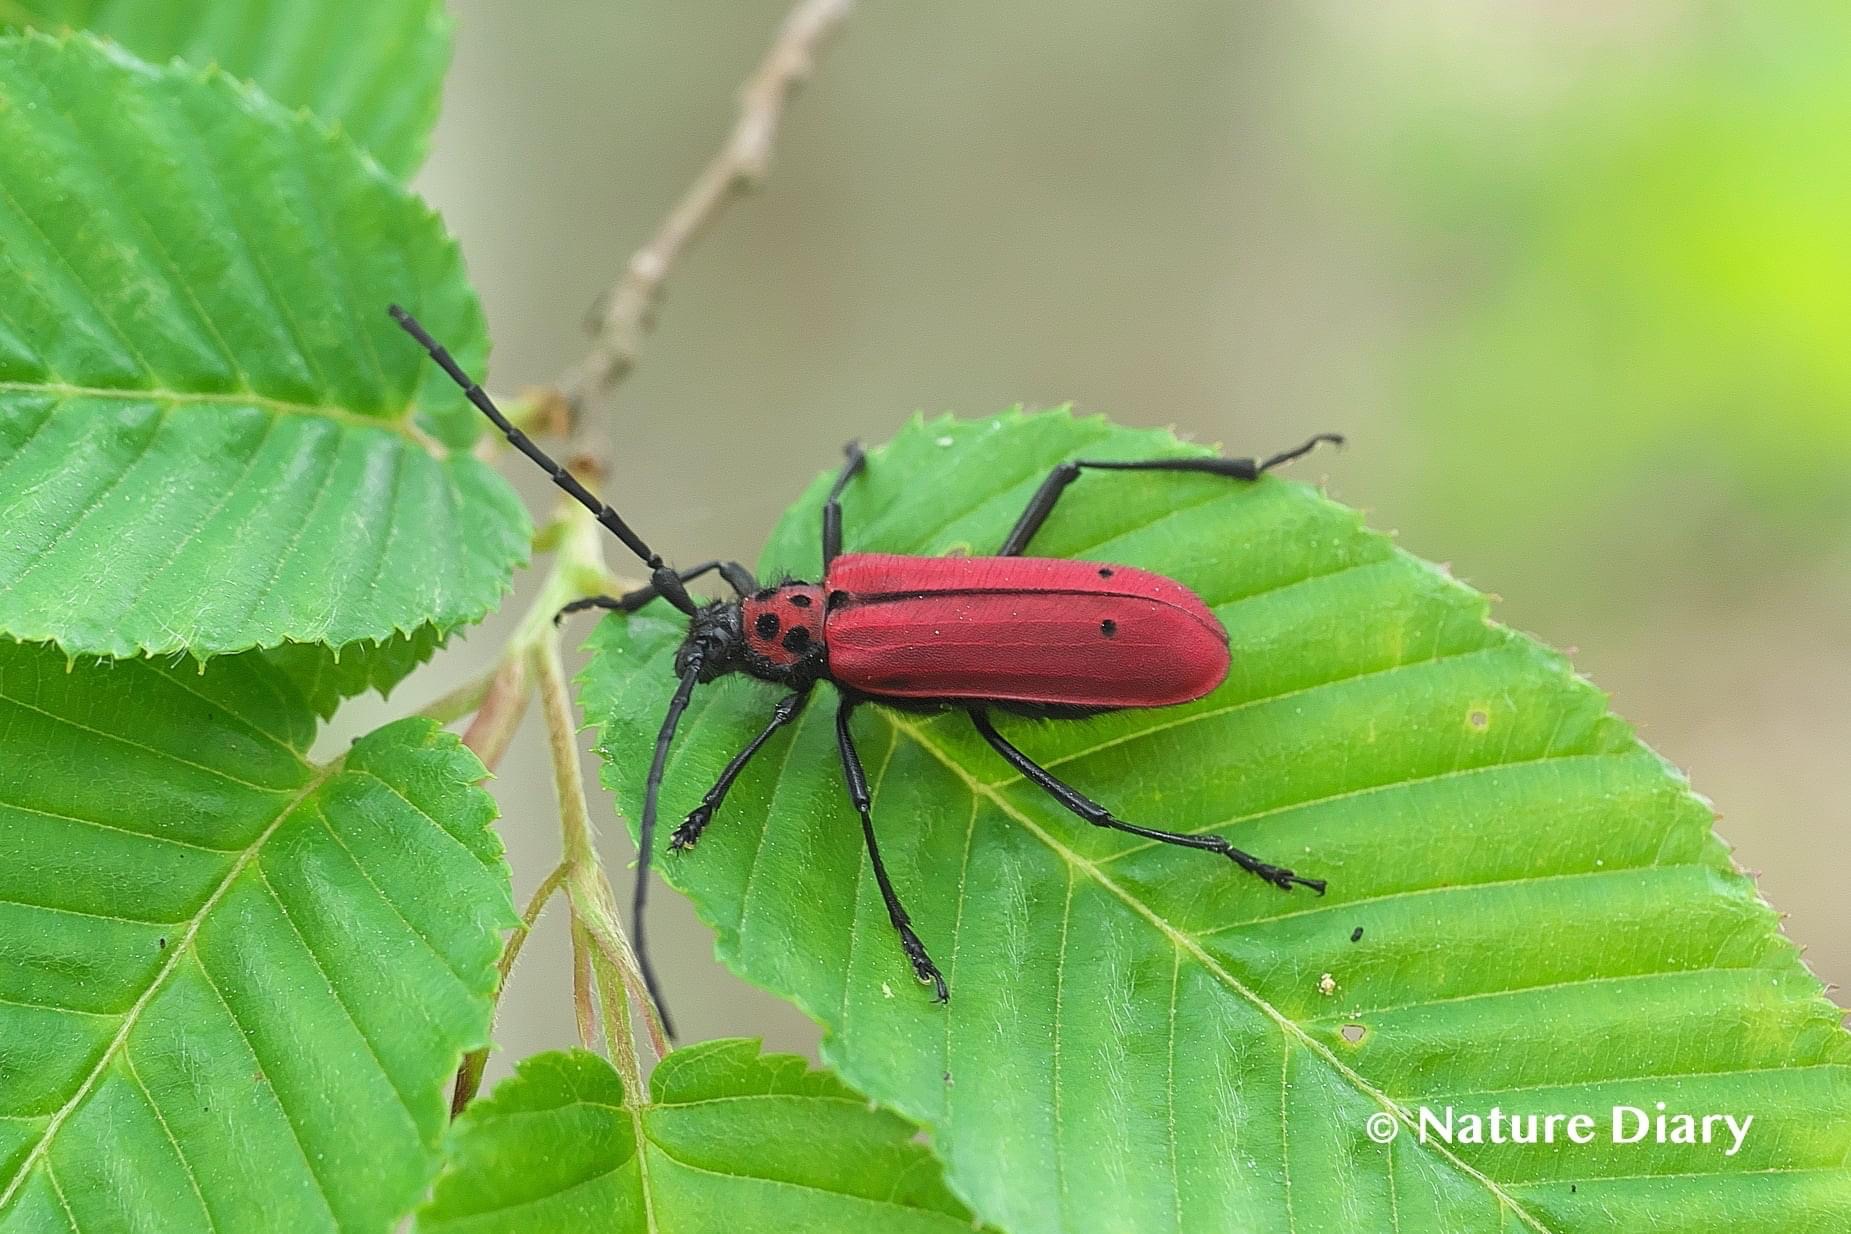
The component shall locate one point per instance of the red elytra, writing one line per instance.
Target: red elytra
(1036, 630)
(1042, 635)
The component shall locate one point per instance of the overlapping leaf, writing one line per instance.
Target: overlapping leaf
(730, 1140)
(233, 985)
(1527, 908)
(211, 436)
(374, 66)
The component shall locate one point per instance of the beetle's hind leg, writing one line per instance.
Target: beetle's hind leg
(1042, 503)
(1099, 816)
(855, 460)
(737, 577)
(857, 781)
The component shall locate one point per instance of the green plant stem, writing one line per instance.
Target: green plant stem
(466, 699)
(587, 889)
(584, 1010)
(469, 1075)
(604, 966)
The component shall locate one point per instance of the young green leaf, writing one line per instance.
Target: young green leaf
(732, 1140)
(235, 985)
(1143, 1037)
(207, 429)
(383, 85)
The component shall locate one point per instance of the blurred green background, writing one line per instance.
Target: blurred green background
(1575, 277)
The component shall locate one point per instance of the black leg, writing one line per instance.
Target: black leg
(1099, 816)
(737, 577)
(789, 708)
(923, 968)
(832, 508)
(1042, 503)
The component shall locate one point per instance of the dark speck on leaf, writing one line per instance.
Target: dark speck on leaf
(163, 943)
(1356, 935)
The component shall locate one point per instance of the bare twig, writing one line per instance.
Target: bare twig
(626, 313)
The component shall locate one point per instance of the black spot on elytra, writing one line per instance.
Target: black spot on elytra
(1105, 572)
(800, 601)
(797, 638)
(766, 624)
(1108, 627)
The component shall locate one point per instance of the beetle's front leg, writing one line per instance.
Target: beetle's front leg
(789, 708)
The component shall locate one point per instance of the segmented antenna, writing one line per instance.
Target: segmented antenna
(646, 832)
(556, 471)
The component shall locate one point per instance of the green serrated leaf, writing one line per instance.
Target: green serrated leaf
(326, 675)
(733, 1140)
(1144, 1038)
(207, 439)
(374, 66)
(234, 986)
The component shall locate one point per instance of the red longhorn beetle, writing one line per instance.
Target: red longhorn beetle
(1033, 635)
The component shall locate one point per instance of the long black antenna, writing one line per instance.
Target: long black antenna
(646, 832)
(673, 591)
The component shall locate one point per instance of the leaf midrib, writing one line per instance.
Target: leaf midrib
(399, 424)
(182, 948)
(1184, 942)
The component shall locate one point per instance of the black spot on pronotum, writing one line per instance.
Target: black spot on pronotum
(767, 625)
(800, 601)
(764, 593)
(1105, 572)
(1108, 627)
(1356, 935)
(797, 638)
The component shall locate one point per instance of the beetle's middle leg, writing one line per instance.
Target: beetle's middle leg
(1099, 816)
(1042, 503)
(923, 968)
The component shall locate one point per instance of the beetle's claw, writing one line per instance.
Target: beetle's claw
(923, 968)
(1278, 876)
(690, 830)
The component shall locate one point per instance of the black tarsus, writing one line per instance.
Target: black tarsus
(857, 781)
(646, 830)
(737, 577)
(661, 576)
(832, 505)
(788, 709)
(1042, 503)
(1099, 816)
